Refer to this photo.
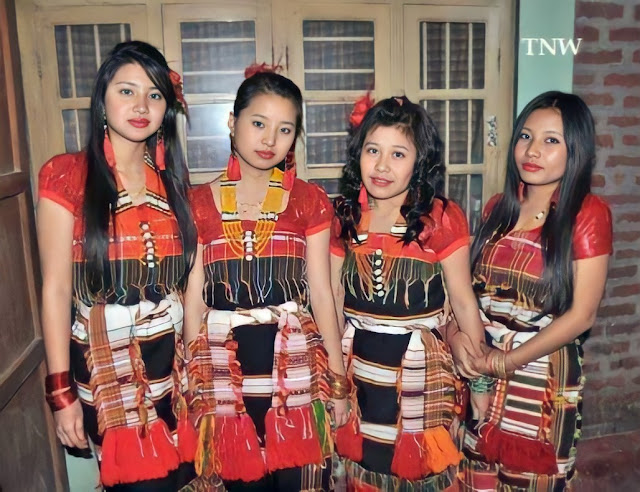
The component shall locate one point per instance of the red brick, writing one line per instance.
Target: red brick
(622, 199)
(631, 102)
(599, 57)
(624, 80)
(621, 272)
(622, 329)
(623, 121)
(626, 235)
(617, 310)
(587, 33)
(583, 79)
(612, 348)
(626, 363)
(637, 14)
(602, 140)
(631, 140)
(629, 217)
(621, 160)
(626, 290)
(591, 367)
(599, 9)
(597, 181)
(638, 180)
(598, 99)
(636, 56)
(625, 34)
(624, 254)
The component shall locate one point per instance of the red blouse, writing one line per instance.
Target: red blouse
(145, 242)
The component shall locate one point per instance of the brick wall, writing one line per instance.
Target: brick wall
(607, 76)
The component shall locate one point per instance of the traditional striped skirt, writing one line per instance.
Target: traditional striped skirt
(528, 439)
(402, 434)
(128, 365)
(259, 393)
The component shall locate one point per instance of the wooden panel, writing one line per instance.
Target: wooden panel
(15, 302)
(25, 441)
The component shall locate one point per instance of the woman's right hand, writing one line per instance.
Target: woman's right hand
(70, 426)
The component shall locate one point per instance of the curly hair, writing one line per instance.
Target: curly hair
(425, 184)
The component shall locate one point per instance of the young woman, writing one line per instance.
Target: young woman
(397, 242)
(258, 357)
(539, 268)
(117, 240)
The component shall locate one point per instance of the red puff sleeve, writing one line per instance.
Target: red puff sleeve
(318, 211)
(62, 180)
(450, 229)
(592, 234)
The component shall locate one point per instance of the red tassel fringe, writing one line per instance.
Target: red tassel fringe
(238, 450)
(408, 457)
(127, 457)
(349, 440)
(187, 440)
(517, 453)
(291, 439)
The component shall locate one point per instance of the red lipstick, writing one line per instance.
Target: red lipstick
(139, 122)
(531, 167)
(380, 181)
(265, 154)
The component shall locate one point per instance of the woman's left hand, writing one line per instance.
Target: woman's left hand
(340, 411)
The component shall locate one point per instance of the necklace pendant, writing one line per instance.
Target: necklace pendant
(248, 240)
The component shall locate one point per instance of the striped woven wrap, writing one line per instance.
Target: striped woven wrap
(297, 430)
(428, 395)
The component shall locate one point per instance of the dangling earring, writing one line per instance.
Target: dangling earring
(160, 163)
(106, 145)
(289, 168)
(363, 198)
(233, 164)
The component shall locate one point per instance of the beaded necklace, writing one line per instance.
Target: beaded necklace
(249, 243)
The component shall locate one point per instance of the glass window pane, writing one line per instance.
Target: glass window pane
(475, 201)
(458, 189)
(338, 55)
(437, 111)
(477, 133)
(331, 186)
(78, 63)
(433, 50)
(208, 145)
(215, 54)
(326, 150)
(76, 129)
(458, 131)
(478, 56)
(64, 64)
(85, 65)
(458, 55)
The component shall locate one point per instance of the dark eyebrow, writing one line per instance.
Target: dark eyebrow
(126, 82)
(266, 118)
(546, 131)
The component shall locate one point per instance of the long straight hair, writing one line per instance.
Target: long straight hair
(427, 180)
(100, 189)
(557, 231)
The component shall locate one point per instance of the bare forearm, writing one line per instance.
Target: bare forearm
(328, 327)
(562, 331)
(56, 328)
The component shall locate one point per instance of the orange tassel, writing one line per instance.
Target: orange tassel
(160, 152)
(108, 150)
(349, 440)
(233, 168)
(238, 449)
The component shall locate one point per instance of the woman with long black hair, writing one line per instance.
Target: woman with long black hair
(539, 262)
(117, 241)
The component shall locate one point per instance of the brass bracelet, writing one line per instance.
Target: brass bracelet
(338, 384)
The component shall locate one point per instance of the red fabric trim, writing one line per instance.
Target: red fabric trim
(454, 246)
(317, 228)
(238, 449)
(337, 250)
(349, 440)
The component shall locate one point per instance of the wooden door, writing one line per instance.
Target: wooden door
(30, 458)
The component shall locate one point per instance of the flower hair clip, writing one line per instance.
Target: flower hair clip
(176, 81)
(360, 108)
(255, 68)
